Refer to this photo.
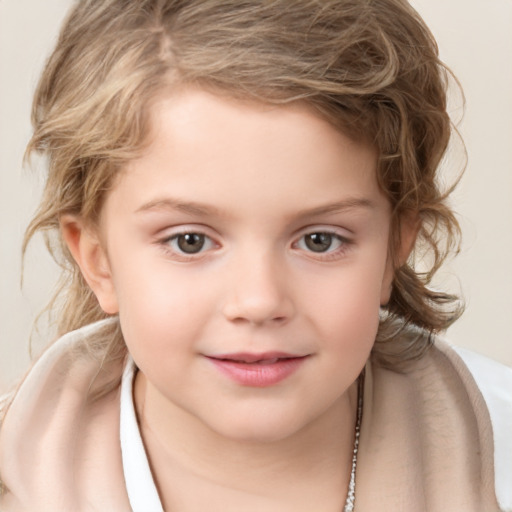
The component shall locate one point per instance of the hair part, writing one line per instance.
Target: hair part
(370, 67)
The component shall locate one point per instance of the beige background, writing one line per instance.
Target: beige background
(475, 39)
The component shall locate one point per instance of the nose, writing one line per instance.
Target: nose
(258, 291)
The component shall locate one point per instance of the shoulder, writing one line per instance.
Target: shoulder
(492, 379)
(493, 382)
(65, 414)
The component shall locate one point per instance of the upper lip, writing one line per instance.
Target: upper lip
(248, 357)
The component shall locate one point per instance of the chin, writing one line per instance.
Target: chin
(260, 429)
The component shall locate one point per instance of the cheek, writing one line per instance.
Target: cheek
(160, 307)
(346, 307)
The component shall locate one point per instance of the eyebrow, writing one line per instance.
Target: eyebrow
(340, 206)
(191, 208)
(202, 210)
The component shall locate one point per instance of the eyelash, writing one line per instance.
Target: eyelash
(177, 252)
(343, 244)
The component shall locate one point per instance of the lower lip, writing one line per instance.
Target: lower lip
(258, 375)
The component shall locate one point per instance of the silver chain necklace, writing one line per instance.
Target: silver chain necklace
(351, 496)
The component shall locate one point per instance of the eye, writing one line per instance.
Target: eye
(190, 243)
(320, 242)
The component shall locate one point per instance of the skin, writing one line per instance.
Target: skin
(258, 182)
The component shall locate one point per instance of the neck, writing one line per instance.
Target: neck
(314, 460)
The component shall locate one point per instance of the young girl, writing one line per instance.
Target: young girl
(236, 192)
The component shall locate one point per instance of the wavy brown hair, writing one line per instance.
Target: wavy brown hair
(370, 67)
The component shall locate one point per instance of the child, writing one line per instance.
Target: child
(235, 193)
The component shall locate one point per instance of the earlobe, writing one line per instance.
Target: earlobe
(89, 254)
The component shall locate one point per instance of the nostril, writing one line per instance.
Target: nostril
(257, 321)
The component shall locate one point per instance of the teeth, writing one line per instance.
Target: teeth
(264, 361)
(260, 361)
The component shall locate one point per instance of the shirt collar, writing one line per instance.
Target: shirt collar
(140, 485)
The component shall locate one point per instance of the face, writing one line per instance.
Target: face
(248, 257)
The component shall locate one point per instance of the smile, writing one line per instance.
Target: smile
(257, 370)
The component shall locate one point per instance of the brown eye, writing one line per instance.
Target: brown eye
(319, 242)
(190, 243)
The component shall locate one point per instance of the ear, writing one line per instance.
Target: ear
(89, 254)
(408, 232)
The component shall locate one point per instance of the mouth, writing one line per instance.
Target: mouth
(262, 358)
(258, 370)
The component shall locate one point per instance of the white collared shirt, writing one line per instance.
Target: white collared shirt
(140, 485)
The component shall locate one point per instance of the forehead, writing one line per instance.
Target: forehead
(209, 148)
